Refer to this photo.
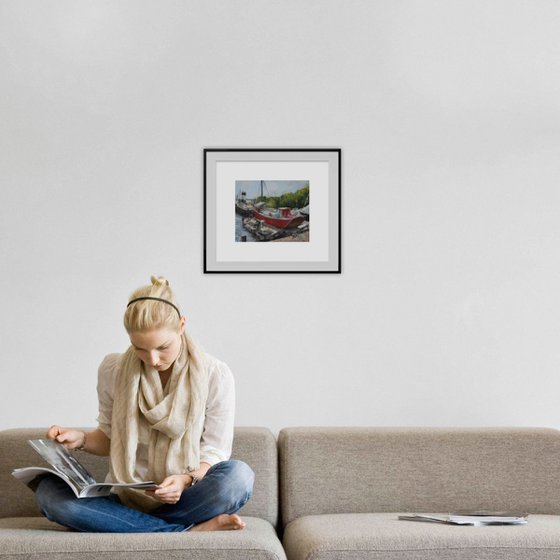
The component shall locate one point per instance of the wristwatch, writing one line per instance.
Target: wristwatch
(195, 479)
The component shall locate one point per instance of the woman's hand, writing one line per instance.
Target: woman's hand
(171, 488)
(70, 438)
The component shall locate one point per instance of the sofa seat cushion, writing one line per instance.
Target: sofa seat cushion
(35, 538)
(382, 536)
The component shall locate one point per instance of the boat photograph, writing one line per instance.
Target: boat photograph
(272, 211)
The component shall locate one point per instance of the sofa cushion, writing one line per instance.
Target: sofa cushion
(361, 470)
(38, 539)
(382, 536)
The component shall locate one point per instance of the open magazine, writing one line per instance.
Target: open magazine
(68, 468)
(477, 518)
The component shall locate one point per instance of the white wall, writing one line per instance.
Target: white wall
(448, 115)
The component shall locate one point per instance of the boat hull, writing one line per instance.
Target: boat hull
(243, 209)
(279, 222)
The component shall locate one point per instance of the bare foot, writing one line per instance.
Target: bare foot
(222, 522)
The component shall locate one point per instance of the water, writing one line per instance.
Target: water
(240, 230)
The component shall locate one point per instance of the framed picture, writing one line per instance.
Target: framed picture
(272, 210)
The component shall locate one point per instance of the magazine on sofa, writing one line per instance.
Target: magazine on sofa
(476, 518)
(68, 468)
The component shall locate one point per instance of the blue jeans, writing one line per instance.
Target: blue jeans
(225, 488)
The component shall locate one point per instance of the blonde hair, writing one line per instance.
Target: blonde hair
(148, 314)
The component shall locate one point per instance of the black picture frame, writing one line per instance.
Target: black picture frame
(288, 175)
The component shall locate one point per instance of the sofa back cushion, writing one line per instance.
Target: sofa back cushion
(255, 446)
(360, 470)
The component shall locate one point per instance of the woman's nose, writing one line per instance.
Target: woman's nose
(153, 357)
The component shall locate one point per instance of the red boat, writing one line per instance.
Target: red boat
(283, 218)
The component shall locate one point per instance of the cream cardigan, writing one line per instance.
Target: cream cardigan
(217, 437)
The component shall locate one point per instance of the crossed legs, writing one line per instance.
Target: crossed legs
(209, 505)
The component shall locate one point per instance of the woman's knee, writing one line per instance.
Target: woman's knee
(46, 489)
(54, 498)
(236, 470)
(239, 479)
(243, 475)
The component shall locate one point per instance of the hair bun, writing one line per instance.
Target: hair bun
(159, 281)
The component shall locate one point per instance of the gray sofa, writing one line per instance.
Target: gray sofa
(342, 489)
(25, 535)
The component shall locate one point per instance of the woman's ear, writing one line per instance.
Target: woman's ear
(182, 322)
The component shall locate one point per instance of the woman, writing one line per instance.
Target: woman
(166, 414)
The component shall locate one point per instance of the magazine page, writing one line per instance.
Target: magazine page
(476, 519)
(28, 474)
(498, 518)
(104, 488)
(428, 518)
(63, 462)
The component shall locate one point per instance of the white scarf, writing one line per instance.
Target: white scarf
(174, 419)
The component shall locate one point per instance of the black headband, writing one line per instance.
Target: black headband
(155, 299)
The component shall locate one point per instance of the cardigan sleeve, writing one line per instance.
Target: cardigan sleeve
(217, 435)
